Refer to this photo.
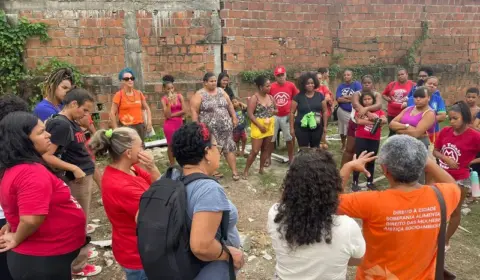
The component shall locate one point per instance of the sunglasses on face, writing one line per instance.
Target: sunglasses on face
(126, 79)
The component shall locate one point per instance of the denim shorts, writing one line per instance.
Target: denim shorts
(135, 274)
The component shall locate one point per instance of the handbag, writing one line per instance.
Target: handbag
(317, 115)
(440, 272)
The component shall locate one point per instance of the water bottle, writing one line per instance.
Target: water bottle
(475, 184)
(376, 125)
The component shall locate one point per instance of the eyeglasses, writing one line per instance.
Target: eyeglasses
(219, 147)
(126, 79)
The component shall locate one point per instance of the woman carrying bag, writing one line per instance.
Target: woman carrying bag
(309, 125)
(128, 105)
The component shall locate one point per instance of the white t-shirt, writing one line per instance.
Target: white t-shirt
(321, 260)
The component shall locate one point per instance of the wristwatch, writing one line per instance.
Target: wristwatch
(407, 126)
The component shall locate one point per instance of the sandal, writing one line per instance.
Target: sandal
(267, 163)
(235, 177)
(218, 175)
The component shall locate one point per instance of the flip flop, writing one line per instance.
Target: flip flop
(267, 163)
(235, 177)
(218, 175)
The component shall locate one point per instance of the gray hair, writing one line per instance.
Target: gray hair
(120, 141)
(404, 157)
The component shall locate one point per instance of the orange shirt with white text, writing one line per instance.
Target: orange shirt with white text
(400, 229)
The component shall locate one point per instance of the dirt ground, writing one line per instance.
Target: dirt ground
(254, 198)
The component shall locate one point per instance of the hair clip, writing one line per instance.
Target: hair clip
(205, 132)
(109, 133)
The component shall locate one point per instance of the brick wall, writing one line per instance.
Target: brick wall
(184, 38)
(304, 34)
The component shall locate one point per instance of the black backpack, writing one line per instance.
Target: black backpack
(163, 230)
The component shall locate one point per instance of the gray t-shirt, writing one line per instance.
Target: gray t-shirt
(207, 195)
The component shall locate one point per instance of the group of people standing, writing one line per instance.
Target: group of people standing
(47, 168)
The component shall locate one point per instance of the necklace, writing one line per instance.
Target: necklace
(128, 98)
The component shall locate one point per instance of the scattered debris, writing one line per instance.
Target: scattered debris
(108, 254)
(103, 243)
(251, 220)
(100, 201)
(96, 221)
(94, 226)
(267, 257)
(465, 211)
(109, 262)
(464, 229)
(251, 258)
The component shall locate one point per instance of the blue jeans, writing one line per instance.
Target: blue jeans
(135, 274)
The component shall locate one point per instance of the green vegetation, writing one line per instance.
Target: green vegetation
(411, 56)
(13, 38)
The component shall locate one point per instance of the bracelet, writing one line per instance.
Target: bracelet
(221, 253)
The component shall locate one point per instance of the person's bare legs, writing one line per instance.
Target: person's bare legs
(344, 140)
(232, 163)
(456, 217)
(256, 147)
(264, 153)
(171, 159)
(97, 177)
(290, 147)
(349, 150)
(270, 149)
(244, 143)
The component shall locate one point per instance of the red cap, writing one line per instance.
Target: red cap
(279, 70)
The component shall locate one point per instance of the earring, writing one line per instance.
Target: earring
(208, 162)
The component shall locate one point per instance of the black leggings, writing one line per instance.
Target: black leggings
(24, 267)
(4, 273)
(392, 132)
(307, 137)
(369, 145)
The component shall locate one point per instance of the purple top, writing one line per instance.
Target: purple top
(413, 120)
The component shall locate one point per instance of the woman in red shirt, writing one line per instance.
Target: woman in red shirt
(456, 148)
(123, 183)
(396, 93)
(46, 224)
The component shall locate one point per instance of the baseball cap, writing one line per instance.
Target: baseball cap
(279, 70)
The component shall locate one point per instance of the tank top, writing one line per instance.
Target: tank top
(413, 120)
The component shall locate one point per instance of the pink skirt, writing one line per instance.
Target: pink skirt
(170, 126)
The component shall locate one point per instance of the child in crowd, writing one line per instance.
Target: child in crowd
(471, 99)
(367, 135)
(239, 133)
(456, 148)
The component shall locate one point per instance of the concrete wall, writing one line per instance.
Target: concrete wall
(187, 38)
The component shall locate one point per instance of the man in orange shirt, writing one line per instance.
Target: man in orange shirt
(400, 224)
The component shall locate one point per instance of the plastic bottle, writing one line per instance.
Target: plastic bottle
(475, 183)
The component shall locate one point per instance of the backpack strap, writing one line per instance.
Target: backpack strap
(440, 262)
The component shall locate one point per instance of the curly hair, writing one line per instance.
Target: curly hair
(310, 198)
(12, 103)
(189, 143)
(303, 79)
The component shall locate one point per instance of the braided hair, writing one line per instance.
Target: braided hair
(54, 79)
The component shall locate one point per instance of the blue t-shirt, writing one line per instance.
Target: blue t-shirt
(206, 195)
(436, 103)
(45, 109)
(478, 115)
(242, 120)
(347, 90)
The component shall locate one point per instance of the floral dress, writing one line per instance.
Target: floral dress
(214, 113)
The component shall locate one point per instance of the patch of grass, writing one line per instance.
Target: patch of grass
(269, 181)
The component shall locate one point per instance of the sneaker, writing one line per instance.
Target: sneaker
(372, 186)
(89, 270)
(355, 187)
(92, 254)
